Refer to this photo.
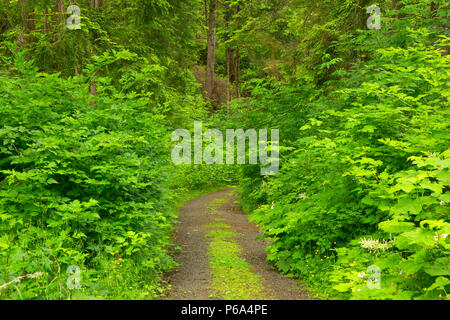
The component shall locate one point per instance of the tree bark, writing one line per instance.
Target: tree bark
(4, 22)
(211, 49)
(45, 20)
(60, 19)
(237, 72)
(27, 25)
(96, 4)
(229, 56)
(206, 12)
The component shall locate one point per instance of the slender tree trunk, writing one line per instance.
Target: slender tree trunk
(211, 49)
(26, 24)
(46, 20)
(229, 58)
(60, 8)
(3, 22)
(206, 12)
(228, 52)
(237, 73)
(96, 4)
(60, 18)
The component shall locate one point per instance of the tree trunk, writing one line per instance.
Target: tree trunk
(237, 72)
(206, 12)
(27, 25)
(46, 20)
(211, 49)
(228, 52)
(60, 19)
(96, 4)
(230, 64)
(4, 23)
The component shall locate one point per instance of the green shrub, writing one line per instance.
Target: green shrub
(82, 182)
(355, 168)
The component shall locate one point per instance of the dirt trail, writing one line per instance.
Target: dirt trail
(191, 280)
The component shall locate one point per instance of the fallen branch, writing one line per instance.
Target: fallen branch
(18, 279)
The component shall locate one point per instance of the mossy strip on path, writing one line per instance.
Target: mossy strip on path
(232, 277)
(215, 205)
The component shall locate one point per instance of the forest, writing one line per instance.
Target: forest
(92, 91)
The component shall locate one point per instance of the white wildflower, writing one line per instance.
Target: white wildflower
(302, 196)
(19, 279)
(444, 235)
(272, 206)
(373, 245)
(433, 155)
(436, 238)
(361, 275)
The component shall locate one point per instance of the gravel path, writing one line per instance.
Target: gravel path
(190, 281)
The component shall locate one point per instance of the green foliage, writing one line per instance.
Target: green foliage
(416, 264)
(153, 29)
(82, 183)
(365, 155)
(86, 179)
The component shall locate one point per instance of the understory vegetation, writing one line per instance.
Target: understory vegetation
(358, 210)
(364, 179)
(86, 180)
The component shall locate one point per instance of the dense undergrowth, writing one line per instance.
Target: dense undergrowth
(86, 118)
(87, 181)
(364, 179)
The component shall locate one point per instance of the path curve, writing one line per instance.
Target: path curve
(191, 280)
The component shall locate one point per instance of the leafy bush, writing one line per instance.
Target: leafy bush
(355, 168)
(415, 263)
(82, 183)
